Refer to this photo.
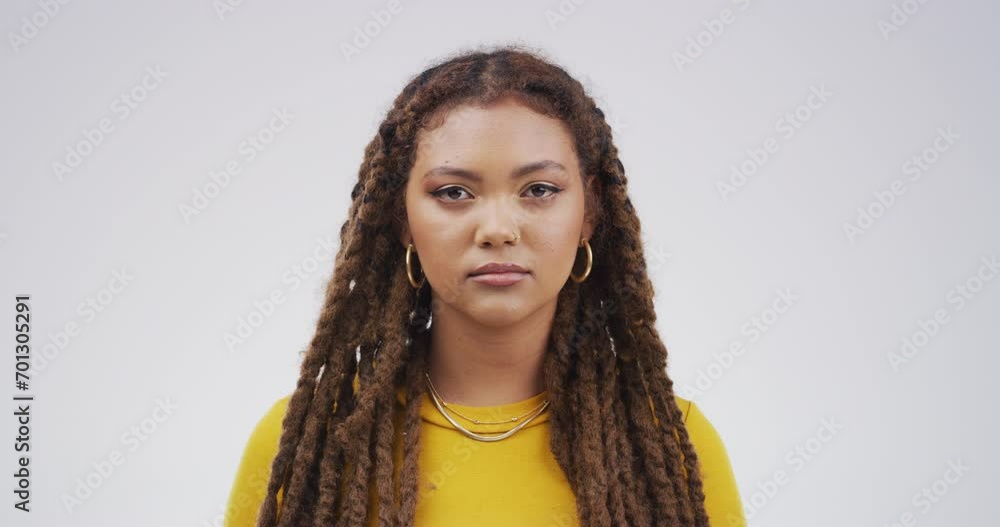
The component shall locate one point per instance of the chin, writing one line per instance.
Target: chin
(498, 312)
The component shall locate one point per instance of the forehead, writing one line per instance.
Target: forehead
(505, 128)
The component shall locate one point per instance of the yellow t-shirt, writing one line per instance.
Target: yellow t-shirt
(516, 481)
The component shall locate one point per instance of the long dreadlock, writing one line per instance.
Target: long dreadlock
(617, 432)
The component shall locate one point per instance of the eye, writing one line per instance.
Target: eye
(448, 194)
(449, 191)
(533, 188)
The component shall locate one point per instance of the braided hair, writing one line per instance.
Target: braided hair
(616, 429)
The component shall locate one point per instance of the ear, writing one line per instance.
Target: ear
(403, 232)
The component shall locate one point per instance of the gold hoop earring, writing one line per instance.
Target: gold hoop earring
(590, 262)
(409, 272)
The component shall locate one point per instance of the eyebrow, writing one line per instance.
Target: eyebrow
(475, 176)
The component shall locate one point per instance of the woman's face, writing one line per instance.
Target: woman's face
(480, 178)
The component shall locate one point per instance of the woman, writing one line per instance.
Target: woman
(486, 353)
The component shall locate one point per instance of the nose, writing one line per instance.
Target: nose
(498, 225)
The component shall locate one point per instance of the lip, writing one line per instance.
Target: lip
(508, 278)
(499, 274)
(498, 267)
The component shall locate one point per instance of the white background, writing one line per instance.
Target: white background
(716, 261)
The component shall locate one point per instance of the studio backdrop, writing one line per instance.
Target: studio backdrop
(819, 211)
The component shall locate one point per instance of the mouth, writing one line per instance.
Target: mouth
(498, 268)
(499, 278)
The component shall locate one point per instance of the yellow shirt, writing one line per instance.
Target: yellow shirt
(516, 481)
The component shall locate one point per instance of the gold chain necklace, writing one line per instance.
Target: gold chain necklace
(473, 420)
(441, 405)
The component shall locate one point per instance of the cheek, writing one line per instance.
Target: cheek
(556, 234)
(428, 224)
(440, 238)
(557, 244)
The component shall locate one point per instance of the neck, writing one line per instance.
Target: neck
(476, 365)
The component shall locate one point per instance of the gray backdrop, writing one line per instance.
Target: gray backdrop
(819, 212)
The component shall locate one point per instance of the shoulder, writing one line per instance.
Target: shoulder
(684, 405)
(267, 432)
(722, 498)
(254, 472)
(704, 436)
(275, 414)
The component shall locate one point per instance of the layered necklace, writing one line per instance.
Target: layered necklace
(524, 418)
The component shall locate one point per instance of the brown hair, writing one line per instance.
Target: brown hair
(616, 429)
